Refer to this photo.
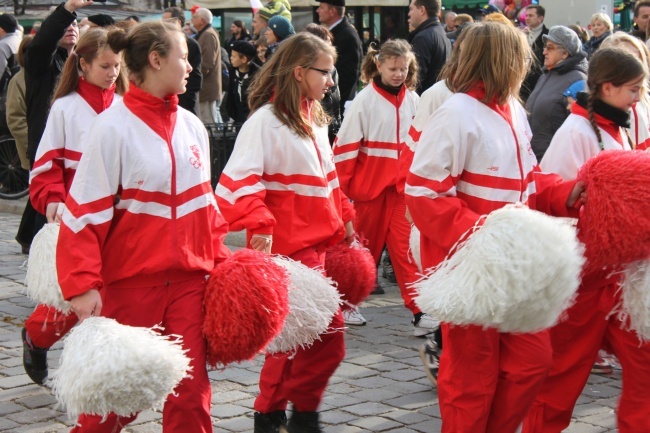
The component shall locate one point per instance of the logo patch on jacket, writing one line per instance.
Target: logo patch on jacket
(196, 159)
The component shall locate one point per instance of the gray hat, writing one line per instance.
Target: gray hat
(565, 37)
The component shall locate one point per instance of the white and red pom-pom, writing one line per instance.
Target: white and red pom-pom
(635, 309)
(354, 270)
(246, 304)
(42, 282)
(615, 221)
(517, 273)
(313, 301)
(414, 246)
(108, 367)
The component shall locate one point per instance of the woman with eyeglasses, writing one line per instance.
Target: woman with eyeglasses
(280, 184)
(565, 63)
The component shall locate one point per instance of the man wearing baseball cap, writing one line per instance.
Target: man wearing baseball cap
(331, 14)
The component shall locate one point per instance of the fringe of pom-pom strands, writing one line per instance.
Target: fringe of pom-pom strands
(354, 270)
(517, 272)
(634, 311)
(108, 367)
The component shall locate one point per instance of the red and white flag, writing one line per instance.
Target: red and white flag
(256, 5)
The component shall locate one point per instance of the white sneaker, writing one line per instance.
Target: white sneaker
(425, 326)
(353, 317)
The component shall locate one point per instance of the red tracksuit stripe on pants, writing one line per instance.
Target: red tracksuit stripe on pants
(178, 307)
(488, 380)
(382, 221)
(47, 325)
(576, 342)
(301, 378)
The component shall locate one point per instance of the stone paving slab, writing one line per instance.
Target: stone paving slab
(380, 387)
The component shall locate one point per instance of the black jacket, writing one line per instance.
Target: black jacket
(236, 103)
(188, 99)
(44, 62)
(535, 67)
(348, 46)
(432, 49)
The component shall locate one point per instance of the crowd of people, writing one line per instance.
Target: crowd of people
(464, 116)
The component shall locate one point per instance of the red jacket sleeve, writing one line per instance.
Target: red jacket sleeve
(552, 194)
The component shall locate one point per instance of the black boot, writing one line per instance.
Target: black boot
(269, 422)
(34, 360)
(303, 422)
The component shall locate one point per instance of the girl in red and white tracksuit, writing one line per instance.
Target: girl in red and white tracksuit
(597, 122)
(143, 219)
(280, 184)
(87, 87)
(366, 152)
(474, 156)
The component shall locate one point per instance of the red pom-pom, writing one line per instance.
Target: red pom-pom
(615, 222)
(354, 270)
(246, 303)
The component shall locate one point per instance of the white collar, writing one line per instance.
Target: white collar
(335, 24)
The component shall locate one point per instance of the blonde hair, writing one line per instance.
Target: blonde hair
(498, 56)
(498, 18)
(389, 50)
(603, 18)
(276, 84)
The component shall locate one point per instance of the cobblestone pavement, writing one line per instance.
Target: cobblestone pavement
(380, 387)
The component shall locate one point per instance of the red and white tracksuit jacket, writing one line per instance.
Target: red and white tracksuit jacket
(430, 101)
(63, 142)
(57, 157)
(590, 323)
(279, 183)
(367, 152)
(141, 208)
(472, 159)
(142, 225)
(640, 125)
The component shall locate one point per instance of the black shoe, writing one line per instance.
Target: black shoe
(388, 272)
(269, 422)
(34, 360)
(302, 422)
(378, 290)
(430, 355)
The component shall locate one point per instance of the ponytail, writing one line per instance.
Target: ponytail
(369, 65)
(390, 49)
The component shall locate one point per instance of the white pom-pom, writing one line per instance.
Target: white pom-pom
(313, 301)
(108, 367)
(517, 273)
(636, 299)
(414, 246)
(42, 282)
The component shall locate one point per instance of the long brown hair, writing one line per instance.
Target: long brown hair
(276, 84)
(90, 45)
(498, 57)
(449, 69)
(610, 65)
(389, 50)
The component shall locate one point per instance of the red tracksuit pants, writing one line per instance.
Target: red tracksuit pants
(576, 342)
(178, 307)
(302, 377)
(488, 380)
(382, 222)
(47, 325)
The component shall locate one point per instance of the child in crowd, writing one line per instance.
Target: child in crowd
(366, 154)
(474, 157)
(597, 122)
(241, 74)
(143, 220)
(90, 78)
(280, 184)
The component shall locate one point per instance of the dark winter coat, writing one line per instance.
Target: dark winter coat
(547, 105)
(535, 67)
(237, 100)
(592, 45)
(432, 49)
(348, 64)
(188, 99)
(44, 62)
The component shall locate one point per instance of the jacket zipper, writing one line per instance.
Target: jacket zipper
(173, 185)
